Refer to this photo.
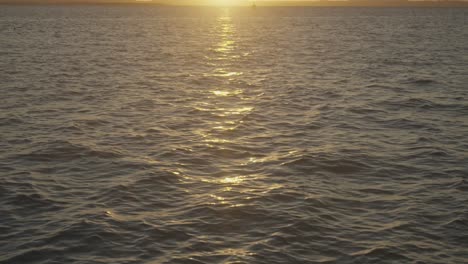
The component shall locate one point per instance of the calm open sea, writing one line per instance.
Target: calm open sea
(136, 134)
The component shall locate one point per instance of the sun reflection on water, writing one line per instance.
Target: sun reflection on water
(226, 92)
(225, 102)
(225, 107)
(233, 180)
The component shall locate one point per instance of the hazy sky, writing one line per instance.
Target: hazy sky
(258, 2)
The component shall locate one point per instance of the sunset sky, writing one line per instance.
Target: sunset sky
(257, 2)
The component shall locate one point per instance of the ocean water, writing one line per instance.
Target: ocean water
(136, 134)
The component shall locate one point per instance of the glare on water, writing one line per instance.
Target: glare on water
(151, 134)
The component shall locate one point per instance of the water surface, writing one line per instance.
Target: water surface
(210, 135)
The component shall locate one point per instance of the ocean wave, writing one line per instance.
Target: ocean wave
(157, 134)
(60, 150)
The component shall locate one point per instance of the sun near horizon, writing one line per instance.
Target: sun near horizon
(233, 3)
(219, 3)
(224, 3)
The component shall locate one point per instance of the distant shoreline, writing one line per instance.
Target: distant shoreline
(356, 3)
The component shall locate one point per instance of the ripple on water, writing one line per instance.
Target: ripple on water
(214, 135)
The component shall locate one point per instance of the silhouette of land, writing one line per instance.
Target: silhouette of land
(376, 3)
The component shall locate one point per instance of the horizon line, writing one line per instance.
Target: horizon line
(307, 3)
